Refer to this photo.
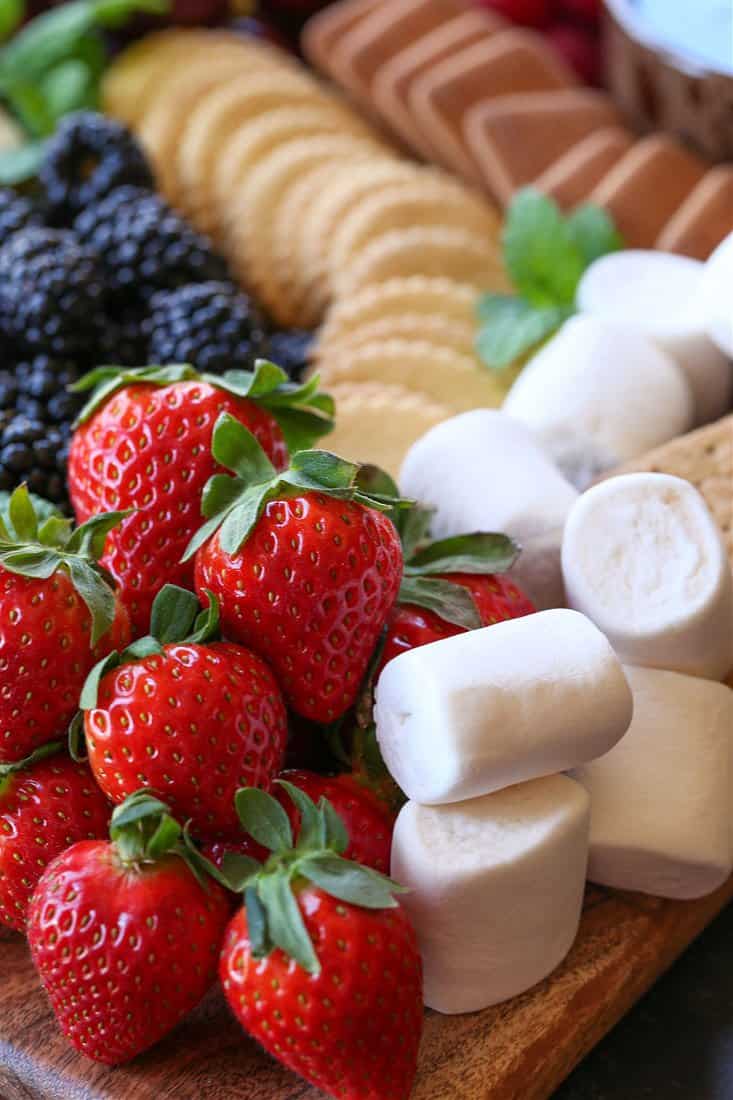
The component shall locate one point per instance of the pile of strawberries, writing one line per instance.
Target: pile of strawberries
(229, 597)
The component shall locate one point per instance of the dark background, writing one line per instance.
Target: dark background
(678, 1041)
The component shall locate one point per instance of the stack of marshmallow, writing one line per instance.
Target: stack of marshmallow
(645, 360)
(617, 690)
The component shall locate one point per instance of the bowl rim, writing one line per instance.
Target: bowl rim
(631, 21)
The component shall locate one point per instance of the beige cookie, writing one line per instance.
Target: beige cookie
(255, 207)
(431, 201)
(418, 294)
(220, 115)
(345, 190)
(460, 336)
(378, 424)
(452, 253)
(164, 123)
(459, 382)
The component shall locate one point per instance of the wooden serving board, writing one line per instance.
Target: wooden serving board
(518, 1051)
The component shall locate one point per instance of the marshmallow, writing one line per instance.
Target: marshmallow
(661, 799)
(715, 298)
(643, 558)
(496, 888)
(601, 392)
(482, 471)
(489, 708)
(657, 294)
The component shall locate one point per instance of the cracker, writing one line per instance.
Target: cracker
(704, 218)
(255, 206)
(647, 186)
(459, 382)
(417, 294)
(254, 142)
(379, 424)
(323, 30)
(347, 188)
(514, 138)
(434, 327)
(217, 117)
(430, 201)
(572, 177)
(453, 253)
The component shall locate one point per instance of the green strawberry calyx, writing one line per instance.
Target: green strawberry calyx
(143, 831)
(37, 545)
(273, 916)
(42, 753)
(428, 561)
(233, 505)
(304, 414)
(176, 617)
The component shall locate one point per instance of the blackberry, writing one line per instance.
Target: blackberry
(290, 349)
(213, 326)
(42, 393)
(16, 213)
(144, 245)
(88, 156)
(51, 292)
(34, 453)
(122, 341)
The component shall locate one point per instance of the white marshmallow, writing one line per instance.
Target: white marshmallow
(492, 707)
(602, 392)
(715, 298)
(482, 471)
(661, 799)
(643, 558)
(657, 294)
(496, 888)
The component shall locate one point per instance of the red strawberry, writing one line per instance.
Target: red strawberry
(59, 615)
(191, 718)
(45, 805)
(305, 568)
(125, 935)
(368, 822)
(144, 442)
(321, 965)
(580, 48)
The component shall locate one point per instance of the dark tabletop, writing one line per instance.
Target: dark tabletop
(678, 1041)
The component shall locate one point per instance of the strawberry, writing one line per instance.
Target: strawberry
(59, 614)
(181, 714)
(47, 802)
(321, 965)
(125, 933)
(580, 48)
(144, 441)
(449, 586)
(368, 822)
(304, 563)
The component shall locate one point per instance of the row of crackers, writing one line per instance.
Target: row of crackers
(497, 106)
(321, 217)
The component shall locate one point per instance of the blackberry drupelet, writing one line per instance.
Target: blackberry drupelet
(123, 341)
(34, 453)
(16, 213)
(212, 325)
(290, 349)
(144, 245)
(88, 156)
(52, 293)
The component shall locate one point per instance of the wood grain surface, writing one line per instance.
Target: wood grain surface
(518, 1051)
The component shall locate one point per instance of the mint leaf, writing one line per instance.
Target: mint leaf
(12, 13)
(70, 86)
(540, 253)
(593, 232)
(512, 327)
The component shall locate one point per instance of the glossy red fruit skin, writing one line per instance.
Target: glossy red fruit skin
(45, 657)
(354, 1030)
(149, 448)
(528, 13)
(367, 820)
(590, 10)
(43, 810)
(310, 591)
(579, 48)
(496, 596)
(194, 724)
(124, 953)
